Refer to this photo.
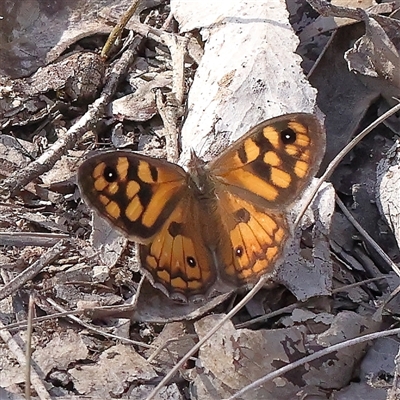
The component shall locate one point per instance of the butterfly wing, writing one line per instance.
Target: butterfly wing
(135, 193)
(150, 202)
(255, 240)
(256, 179)
(178, 260)
(273, 163)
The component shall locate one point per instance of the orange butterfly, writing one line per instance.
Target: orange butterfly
(218, 226)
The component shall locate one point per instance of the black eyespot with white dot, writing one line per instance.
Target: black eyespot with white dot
(288, 136)
(239, 251)
(110, 174)
(191, 261)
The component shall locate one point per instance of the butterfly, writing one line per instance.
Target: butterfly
(220, 225)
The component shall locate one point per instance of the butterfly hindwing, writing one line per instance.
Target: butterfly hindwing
(177, 259)
(255, 239)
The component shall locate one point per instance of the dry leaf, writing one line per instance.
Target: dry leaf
(232, 359)
(388, 189)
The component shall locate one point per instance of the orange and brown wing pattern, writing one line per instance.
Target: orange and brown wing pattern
(135, 193)
(177, 259)
(274, 161)
(255, 240)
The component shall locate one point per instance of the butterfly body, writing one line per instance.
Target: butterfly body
(218, 226)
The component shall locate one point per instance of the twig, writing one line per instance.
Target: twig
(312, 357)
(15, 348)
(119, 27)
(99, 331)
(23, 239)
(168, 115)
(48, 257)
(195, 348)
(46, 161)
(367, 237)
(28, 350)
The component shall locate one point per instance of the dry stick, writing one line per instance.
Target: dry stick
(194, 49)
(28, 350)
(23, 239)
(113, 309)
(168, 117)
(171, 110)
(324, 50)
(20, 356)
(195, 348)
(312, 357)
(366, 236)
(134, 25)
(291, 307)
(23, 324)
(335, 162)
(99, 331)
(48, 257)
(377, 248)
(46, 161)
(119, 27)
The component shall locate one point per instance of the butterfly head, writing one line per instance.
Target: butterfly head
(199, 175)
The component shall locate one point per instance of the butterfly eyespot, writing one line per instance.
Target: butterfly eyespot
(191, 261)
(110, 174)
(242, 215)
(239, 251)
(288, 136)
(175, 229)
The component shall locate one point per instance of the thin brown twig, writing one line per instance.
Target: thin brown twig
(98, 331)
(48, 257)
(118, 28)
(367, 237)
(28, 350)
(168, 115)
(18, 353)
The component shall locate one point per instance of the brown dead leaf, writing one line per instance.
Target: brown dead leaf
(232, 358)
(377, 53)
(117, 369)
(140, 105)
(60, 352)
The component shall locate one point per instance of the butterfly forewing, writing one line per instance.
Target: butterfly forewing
(274, 161)
(133, 192)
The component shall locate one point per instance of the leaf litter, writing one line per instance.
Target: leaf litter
(42, 95)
